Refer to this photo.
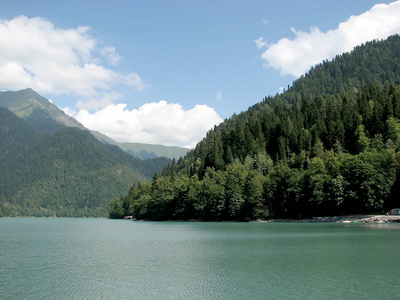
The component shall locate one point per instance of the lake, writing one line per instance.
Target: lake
(118, 259)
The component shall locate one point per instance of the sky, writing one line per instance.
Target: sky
(165, 72)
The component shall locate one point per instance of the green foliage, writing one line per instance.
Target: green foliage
(369, 178)
(234, 190)
(117, 210)
(393, 133)
(209, 196)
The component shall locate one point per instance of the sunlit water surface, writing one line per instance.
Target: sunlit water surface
(115, 259)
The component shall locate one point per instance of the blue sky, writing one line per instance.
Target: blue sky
(165, 72)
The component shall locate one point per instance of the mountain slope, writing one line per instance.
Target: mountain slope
(37, 110)
(67, 172)
(329, 145)
(13, 132)
(370, 63)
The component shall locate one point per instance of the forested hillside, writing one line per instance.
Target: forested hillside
(329, 145)
(66, 172)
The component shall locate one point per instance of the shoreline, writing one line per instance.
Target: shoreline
(360, 218)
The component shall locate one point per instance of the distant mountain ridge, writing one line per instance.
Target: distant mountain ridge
(43, 115)
(37, 110)
(146, 151)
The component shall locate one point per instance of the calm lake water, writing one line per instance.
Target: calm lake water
(116, 259)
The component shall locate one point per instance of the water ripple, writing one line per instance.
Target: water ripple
(105, 259)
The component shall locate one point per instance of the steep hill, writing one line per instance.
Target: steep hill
(66, 172)
(372, 63)
(328, 145)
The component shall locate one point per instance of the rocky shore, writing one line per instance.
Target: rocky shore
(330, 219)
(372, 219)
(345, 219)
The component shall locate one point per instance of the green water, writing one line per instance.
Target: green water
(111, 259)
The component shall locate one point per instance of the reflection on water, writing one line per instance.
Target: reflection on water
(109, 259)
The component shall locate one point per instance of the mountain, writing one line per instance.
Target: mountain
(43, 115)
(65, 172)
(145, 151)
(37, 110)
(329, 145)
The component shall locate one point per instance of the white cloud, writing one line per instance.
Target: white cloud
(99, 102)
(260, 43)
(265, 21)
(154, 123)
(52, 60)
(307, 49)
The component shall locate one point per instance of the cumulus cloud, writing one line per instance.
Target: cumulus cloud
(154, 123)
(34, 53)
(296, 56)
